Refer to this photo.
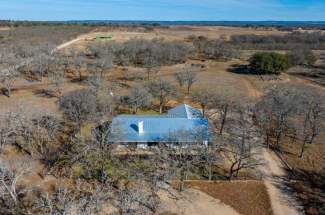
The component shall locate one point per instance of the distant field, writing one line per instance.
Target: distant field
(182, 32)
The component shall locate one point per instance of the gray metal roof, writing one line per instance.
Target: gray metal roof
(181, 124)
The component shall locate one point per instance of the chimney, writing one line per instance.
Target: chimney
(140, 127)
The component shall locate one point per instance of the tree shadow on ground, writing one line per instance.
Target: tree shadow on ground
(307, 187)
(45, 93)
(4, 91)
(241, 69)
(77, 80)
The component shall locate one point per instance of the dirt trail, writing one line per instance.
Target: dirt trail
(282, 203)
(251, 89)
(69, 43)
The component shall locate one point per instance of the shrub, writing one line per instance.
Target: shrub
(269, 63)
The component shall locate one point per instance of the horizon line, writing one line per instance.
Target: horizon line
(139, 20)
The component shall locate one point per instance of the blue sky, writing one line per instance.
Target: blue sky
(170, 10)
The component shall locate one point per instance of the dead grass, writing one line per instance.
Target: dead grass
(308, 174)
(247, 197)
(314, 156)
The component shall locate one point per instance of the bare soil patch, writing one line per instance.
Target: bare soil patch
(247, 197)
(193, 202)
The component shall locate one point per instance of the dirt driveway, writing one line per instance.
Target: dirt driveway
(282, 202)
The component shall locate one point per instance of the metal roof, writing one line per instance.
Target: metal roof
(181, 124)
(185, 111)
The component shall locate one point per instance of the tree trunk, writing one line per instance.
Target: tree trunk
(181, 184)
(224, 118)
(80, 75)
(161, 107)
(8, 92)
(203, 110)
(302, 150)
(210, 172)
(267, 141)
(231, 171)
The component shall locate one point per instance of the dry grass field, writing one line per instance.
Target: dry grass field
(180, 33)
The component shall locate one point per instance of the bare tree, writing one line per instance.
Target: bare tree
(104, 64)
(81, 200)
(274, 111)
(57, 80)
(137, 199)
(204, 97)
(225, 103)
(57, 75)
(187, 77)
(8, 78)
(79, 62)
(36, 134)
(180, 78)
(190, 74)
(139, 97)
(11, 174)
(41, 60)
(313, 125)
(241, 148)
(309, 121)
(150, 63)
(9, 128)
(162, 90)
(209, 158)
(79, 106)
(96, 83)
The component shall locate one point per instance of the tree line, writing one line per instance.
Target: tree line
(313, 40)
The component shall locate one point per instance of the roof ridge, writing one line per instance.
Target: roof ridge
(187, 110)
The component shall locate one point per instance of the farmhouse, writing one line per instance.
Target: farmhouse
(182, 124)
